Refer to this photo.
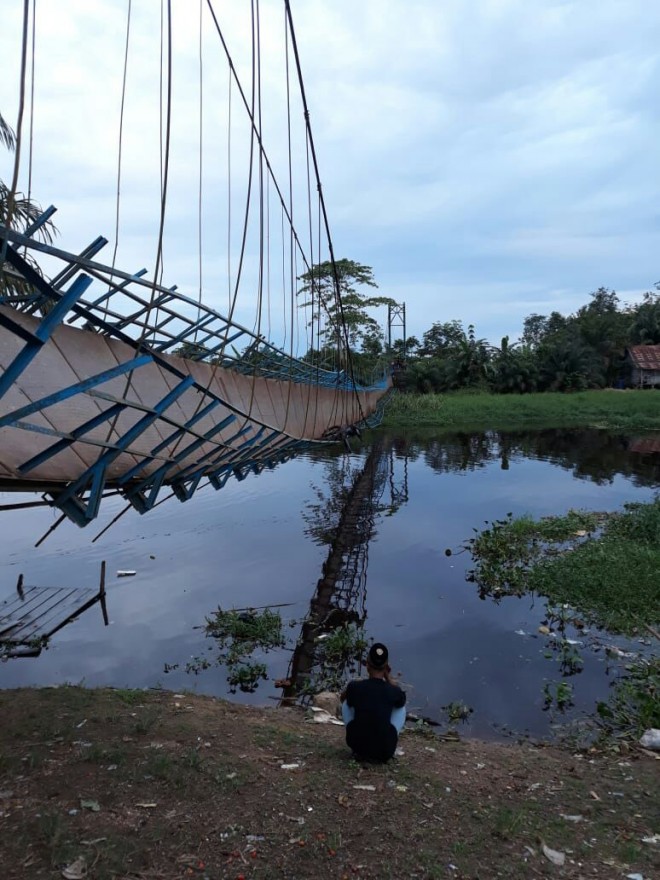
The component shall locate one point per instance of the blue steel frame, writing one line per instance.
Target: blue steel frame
(207, 337)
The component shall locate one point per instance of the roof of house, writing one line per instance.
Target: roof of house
(646, 357)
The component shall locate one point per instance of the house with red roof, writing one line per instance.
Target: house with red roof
(644, 363)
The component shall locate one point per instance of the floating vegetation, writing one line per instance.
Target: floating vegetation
(457, 711)
(634, 705)
(603, 564)
(237, 635)
(558, 694)
(346, 643)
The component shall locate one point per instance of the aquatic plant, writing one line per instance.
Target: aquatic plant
(634, 705)
(604, 565)
(237, 635)
(558, 694)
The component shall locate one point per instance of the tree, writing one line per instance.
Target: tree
(442, 337)
(567, 364)
(319, 290)
(603, 327)
(513, 369)
(18, 213)
(645, 327)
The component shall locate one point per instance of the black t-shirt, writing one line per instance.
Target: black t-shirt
(370, 734)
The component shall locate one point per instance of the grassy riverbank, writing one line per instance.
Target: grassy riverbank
(156, 785)
(621, 410)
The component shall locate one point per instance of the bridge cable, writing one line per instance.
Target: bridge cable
(323, 206)
(201, 170)
(11, 201)
(120, 148)
(32, 66)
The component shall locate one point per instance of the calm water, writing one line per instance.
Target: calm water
(377, 523)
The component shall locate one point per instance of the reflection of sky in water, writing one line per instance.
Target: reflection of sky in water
(246, 545)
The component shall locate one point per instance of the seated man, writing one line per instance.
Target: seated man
(373, 709)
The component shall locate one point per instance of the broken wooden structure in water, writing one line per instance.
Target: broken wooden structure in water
(30, 618)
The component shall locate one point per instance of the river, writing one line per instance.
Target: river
(379, 520)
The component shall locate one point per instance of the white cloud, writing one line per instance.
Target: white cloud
(488, 158)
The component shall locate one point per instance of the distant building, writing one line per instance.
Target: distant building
(644, 363)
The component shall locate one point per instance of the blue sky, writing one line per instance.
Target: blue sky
(488, 158)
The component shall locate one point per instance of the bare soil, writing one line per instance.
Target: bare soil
(133, 784)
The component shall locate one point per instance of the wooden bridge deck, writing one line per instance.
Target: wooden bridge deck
(33, 614)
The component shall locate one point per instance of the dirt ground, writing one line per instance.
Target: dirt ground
(131, 784)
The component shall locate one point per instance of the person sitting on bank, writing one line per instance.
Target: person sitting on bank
(373, 709)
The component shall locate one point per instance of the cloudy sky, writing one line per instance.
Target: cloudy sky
(488, 158)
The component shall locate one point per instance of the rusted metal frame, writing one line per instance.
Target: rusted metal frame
(71, 500)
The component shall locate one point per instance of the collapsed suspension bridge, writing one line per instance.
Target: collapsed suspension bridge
(111, 381)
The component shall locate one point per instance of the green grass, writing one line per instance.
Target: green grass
(621, 410)
(605, 566)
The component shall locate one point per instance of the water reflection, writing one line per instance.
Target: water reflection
(590, 454)
(343, 517)
(331, 641)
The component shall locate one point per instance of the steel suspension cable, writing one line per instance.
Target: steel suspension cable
(19, 126)
(349, 358)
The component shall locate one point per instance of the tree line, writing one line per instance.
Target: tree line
(555, 352)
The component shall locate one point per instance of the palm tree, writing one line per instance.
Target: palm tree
(18, 213)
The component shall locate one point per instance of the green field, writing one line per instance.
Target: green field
(621, 410)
